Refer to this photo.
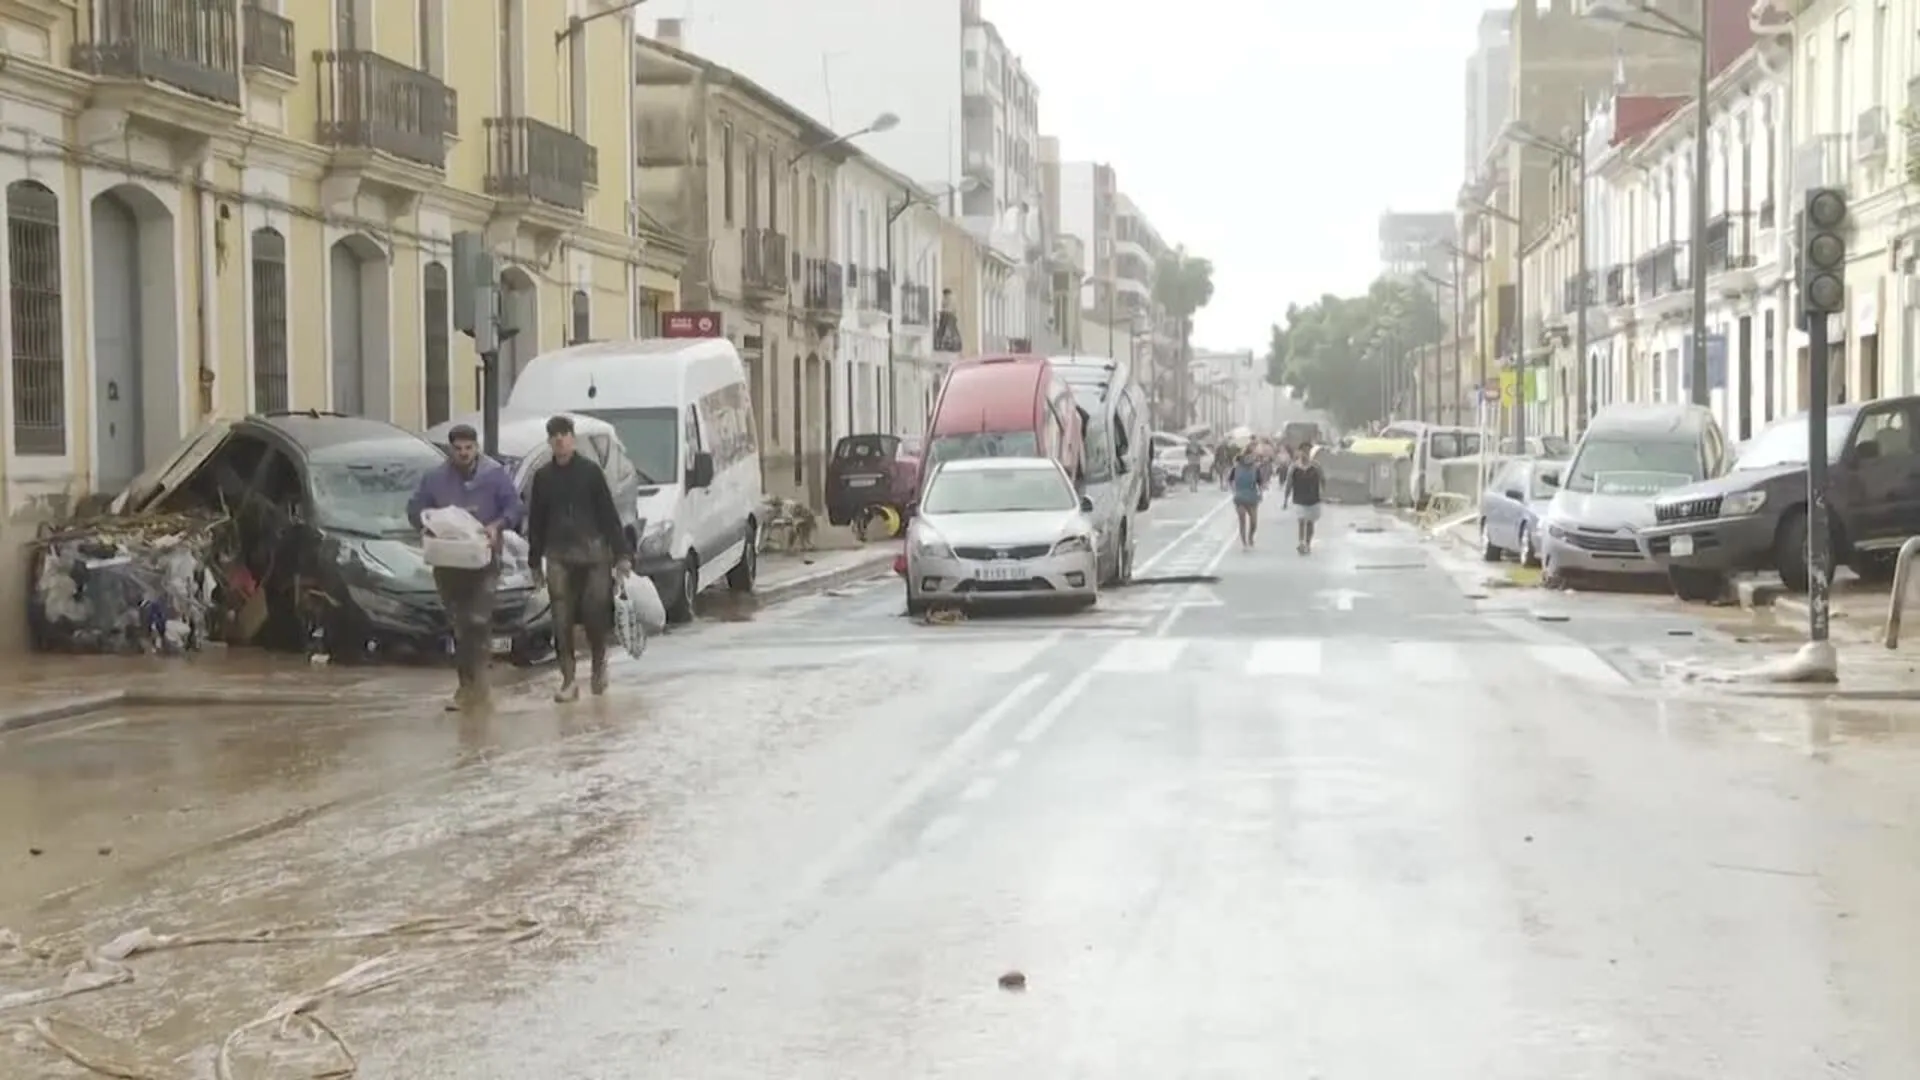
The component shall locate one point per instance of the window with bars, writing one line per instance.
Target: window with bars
(582, 317)
(437, 311)
(269, 321)
(39, 366)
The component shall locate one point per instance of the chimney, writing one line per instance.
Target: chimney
(668, 32)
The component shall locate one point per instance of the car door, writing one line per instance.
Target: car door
(699, 506)
(1501, 509)
(1878, 475)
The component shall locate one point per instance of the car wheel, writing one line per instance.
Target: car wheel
(681, 610)
(740, 578)
(1488, 550)
(1696, 586)
(916, 607)
(1125, 576)
(1790, 552)
(1528, 556)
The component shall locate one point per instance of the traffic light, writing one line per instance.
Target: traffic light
(474, 273)
(1823, 253)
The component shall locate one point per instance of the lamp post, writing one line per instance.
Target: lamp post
(1453, 286)
(1575, 153)
(909, 198)
(1642, 16)
(1519, 315)
(886, 121)
(1461, 257)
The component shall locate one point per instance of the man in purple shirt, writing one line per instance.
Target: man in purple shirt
(480, 486)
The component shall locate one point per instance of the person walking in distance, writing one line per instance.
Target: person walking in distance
(1303, 490)
(482, 487)
(1245, 480)
(577, 546)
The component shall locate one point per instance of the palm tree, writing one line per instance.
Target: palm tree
(1182, 285)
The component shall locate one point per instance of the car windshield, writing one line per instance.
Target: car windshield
(363, 486)
(1785, 443)
(652, 439)
(985, 444)
(1633, 467)
(998, 491)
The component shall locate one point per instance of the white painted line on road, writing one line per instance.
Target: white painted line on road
(1577, 661)
(1302, 656)
(1428, 660)
(1007, 760)
(919, 785)
(1174, 545)
(1142, 655)
(1213, 564)
(979, 790)
(942, 830)
(1053, 710)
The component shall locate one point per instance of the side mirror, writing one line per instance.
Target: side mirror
(700, 473)
(1550, 479)
(1514, 494)
(1086, 504)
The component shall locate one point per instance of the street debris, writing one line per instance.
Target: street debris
(126, 585)
(1013, 981)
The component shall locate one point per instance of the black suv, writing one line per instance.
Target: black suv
(1755, 517)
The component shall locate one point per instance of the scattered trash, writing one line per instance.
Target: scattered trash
(1013, 981)
(1679, 631)
(133, 584)
(944, 617)
(1551, 616)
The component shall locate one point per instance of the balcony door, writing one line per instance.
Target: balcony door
(352, 25)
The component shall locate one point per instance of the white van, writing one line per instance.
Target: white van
(681, 408)
(1117, 462)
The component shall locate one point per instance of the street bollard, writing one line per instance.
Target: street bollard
(1902, 566)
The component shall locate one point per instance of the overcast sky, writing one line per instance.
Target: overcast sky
(1268, 137)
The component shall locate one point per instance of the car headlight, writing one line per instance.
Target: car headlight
(1556, 530)
(657, 541)
(1742, 503)
(1073, 545)
(928, 543)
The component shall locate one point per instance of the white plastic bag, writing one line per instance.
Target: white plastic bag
(639, 591)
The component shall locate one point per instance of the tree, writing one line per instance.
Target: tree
(1182, 285)
(1342, 353)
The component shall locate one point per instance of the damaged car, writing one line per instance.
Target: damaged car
(318, 554)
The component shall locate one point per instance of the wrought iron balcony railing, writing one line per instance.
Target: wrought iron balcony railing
(763, 260)
(372, 102)
(529, 159)
(190, 45)
(267, 41)
(825, 286)
(916, 304)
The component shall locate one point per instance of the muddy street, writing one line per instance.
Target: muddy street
(1336, 815)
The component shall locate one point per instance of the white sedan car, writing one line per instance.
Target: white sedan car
(996, 529)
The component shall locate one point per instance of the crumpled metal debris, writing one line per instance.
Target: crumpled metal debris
(133, 584)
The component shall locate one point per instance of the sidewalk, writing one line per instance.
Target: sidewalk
(784, 575)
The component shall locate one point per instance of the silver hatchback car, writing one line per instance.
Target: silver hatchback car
(1001, 529)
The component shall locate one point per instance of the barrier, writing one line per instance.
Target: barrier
(1902, 567)
(1354, 478)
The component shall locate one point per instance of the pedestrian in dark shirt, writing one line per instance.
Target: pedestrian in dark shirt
(1303, 491)
(479, 485)
(577, 544)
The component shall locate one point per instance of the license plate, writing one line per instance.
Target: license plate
(1004, 571)
(862, 481)
(502, 644)
(1683, 546)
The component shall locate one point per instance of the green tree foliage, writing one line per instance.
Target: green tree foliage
(1335, 351)
(1182, 285)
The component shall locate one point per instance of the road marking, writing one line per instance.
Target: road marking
(943, 829)
(1428, 660)
(1301, 656)
(979, 790)
(1143, 655)
(919, 785)
(1052, 710)
(1577, 661)
(1174, 544)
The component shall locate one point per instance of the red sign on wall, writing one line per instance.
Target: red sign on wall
(689, 324)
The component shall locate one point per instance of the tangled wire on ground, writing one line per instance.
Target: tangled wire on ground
(295, 1017)
(1441, 506)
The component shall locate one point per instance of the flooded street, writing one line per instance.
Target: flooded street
(1327, 816)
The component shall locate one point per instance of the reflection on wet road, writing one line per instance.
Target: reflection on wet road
(1327, 817)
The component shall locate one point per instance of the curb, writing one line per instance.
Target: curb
(66, 708)
(819, 581)
(1792, 610)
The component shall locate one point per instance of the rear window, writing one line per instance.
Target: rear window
(872, 449)
(986, 444)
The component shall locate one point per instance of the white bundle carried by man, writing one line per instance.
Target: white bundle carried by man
(637, 613)
(455, 540)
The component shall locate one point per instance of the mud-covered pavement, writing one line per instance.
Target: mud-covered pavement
(1339, 816)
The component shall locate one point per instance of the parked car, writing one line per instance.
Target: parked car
(1603, 498)
(683, 413)
(1511, 510)
(1117, 460)
(1755, 517)
(1000, 529)
(319, 508)
(1544, 447)
(1006, 406)
(869, 470)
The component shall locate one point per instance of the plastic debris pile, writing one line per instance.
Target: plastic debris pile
(138, 584)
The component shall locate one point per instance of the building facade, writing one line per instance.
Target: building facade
(917, 272)
(242, 229)
(1489, 89)
(867, 193)
(1415, 244)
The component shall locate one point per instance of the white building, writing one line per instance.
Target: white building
(865, 193)
(1489, 91)
(917, 274)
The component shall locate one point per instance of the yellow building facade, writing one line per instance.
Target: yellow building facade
(224, 206)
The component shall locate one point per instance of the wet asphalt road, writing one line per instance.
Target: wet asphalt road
(1327, 817)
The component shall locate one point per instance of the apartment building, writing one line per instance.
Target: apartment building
(917, 267)
(1412, 245)
(1489, 87)
(262, 221)
(887, 240)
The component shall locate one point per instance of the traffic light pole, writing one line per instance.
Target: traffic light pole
(1819, 547)
(1823, 295)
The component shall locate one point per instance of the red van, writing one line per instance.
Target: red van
(1005, 406)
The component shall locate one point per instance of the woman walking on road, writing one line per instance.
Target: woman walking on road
(1303, 490)
(1245, 480)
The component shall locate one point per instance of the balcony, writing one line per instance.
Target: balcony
(979, 167)
(267, 44)
(916, 305)
(387, 124)
(1821, 161)
(823, 292)
(763, 264)
(536, 163)
(1730, 260)
(186, 50)
(1617, 294)
(873, 290)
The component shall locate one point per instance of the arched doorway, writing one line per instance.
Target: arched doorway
(362, 375)
(136, 334)
(813, 439)
(519, 311)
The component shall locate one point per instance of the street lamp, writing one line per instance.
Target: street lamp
(1453, 286)
(886, 121)
(1574, 153)
(909, 199)
(1461, 257)
(1640, 15)
(1519, 314)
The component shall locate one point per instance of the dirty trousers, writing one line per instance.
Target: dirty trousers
(468, 597)
(582, 594)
